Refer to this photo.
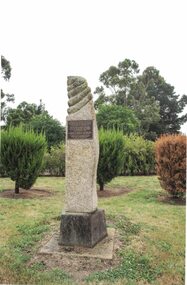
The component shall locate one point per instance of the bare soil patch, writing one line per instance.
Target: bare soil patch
(111, 192)
(26, 194)
(42, 193)
(78, 267)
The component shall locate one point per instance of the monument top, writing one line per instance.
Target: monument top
(73, 78)
(79, 93)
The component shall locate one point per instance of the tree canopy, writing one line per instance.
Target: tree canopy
(54, 131)
(38, 118)
(5, 97)
(5, 68)
(118, 118)
(152, 99)
(171, 104)
(24, 113)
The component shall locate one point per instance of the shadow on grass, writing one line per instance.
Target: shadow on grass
(172, 200)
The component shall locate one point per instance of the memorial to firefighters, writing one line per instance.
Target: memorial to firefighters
(82, 223)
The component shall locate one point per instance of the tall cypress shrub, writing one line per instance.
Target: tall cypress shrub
(22, 154)
(111, 156)
(171, 163)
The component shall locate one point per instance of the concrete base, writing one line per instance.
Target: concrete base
(103, 249)
(82, 229)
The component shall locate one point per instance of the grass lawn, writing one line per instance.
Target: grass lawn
(151, 231)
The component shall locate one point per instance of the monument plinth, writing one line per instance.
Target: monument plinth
(81, 223)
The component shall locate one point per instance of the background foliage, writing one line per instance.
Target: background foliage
(36, 117)
(153, 100)
(117, 117)
(5, 97)
(54, 161)
(139, 156)
(54, 131)
(23, 113)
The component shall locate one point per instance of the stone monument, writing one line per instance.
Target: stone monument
(82, 223)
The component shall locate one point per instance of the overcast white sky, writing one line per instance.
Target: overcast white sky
(47, 40)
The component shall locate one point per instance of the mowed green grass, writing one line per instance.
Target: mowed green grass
(152, 234)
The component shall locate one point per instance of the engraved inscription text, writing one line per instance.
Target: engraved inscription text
(80, 129)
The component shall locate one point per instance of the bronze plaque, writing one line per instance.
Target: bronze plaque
(80, 129)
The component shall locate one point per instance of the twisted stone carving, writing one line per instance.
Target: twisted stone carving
(79, 93)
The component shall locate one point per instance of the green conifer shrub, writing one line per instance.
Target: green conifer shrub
(22, 154)
(171, 163)
(139, 156)
(2, 170)
(111, 156)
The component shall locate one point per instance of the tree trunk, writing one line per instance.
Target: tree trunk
(101, 186)
(16, 188)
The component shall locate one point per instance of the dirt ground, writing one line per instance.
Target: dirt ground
(26, 194)
(41, 193)
(78, 267)
(111, 192)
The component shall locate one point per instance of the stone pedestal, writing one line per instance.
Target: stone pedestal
(82, 223)
(83, 229)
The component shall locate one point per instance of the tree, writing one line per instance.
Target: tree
(6, 68)
(5, 97)
(54, 131)
(111, 156)
(117, 117)
(122, 87)
(39, 119)
(22, 155)
(102, 99)
(24, 113)
(145, 107)
(154, 101)
(171, 105)
(118, 81)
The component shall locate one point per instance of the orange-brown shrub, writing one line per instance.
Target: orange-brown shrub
(171, 163)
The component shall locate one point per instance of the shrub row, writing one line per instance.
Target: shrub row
(137, 153)
(23, 152)
(139, 156)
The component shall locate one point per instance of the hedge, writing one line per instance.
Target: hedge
(139, 156)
